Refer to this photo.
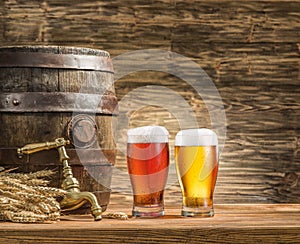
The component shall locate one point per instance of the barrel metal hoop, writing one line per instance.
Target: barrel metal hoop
(56, 61)
(58, 102)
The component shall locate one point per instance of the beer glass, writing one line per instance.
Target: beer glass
(148, 164)
(196, 160)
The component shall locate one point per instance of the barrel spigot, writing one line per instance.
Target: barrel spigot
(74, 198)
(37, 147)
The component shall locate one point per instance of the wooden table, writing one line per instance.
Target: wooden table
(236, 223)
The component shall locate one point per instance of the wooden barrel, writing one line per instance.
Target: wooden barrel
(48, 92)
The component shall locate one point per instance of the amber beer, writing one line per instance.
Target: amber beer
(148, 163)
(196, 159)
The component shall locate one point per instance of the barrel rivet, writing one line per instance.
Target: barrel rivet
(16, 102)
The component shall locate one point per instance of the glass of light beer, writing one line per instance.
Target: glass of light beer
(196, 160)
(148, 164)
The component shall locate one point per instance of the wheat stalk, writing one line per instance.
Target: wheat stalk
(26, 198)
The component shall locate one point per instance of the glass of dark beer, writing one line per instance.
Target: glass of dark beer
(148, 164)
(196, 160)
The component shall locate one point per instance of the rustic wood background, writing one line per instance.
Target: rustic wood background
(250, 49)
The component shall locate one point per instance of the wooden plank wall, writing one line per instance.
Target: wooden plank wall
(250, 49)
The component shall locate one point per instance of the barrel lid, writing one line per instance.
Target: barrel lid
(58, 57)
(56, 50)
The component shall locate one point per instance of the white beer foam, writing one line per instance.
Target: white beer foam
(148, 134)
(196, 137)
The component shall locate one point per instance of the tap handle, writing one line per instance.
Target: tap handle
(37, 147)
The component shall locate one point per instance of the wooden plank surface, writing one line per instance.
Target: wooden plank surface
(243, 223)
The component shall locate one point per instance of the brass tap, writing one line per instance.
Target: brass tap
(74, 198)
(37, 147)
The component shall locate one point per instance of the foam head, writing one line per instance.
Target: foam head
(148, 134)
(196, 137)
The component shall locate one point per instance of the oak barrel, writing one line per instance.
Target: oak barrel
(47, 92)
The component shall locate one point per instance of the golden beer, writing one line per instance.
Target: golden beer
(197, 167)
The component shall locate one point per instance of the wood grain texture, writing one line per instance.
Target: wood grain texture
(250, 49)
(232, 224)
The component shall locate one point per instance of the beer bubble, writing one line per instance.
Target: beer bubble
(196, 137)
(148, 134)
